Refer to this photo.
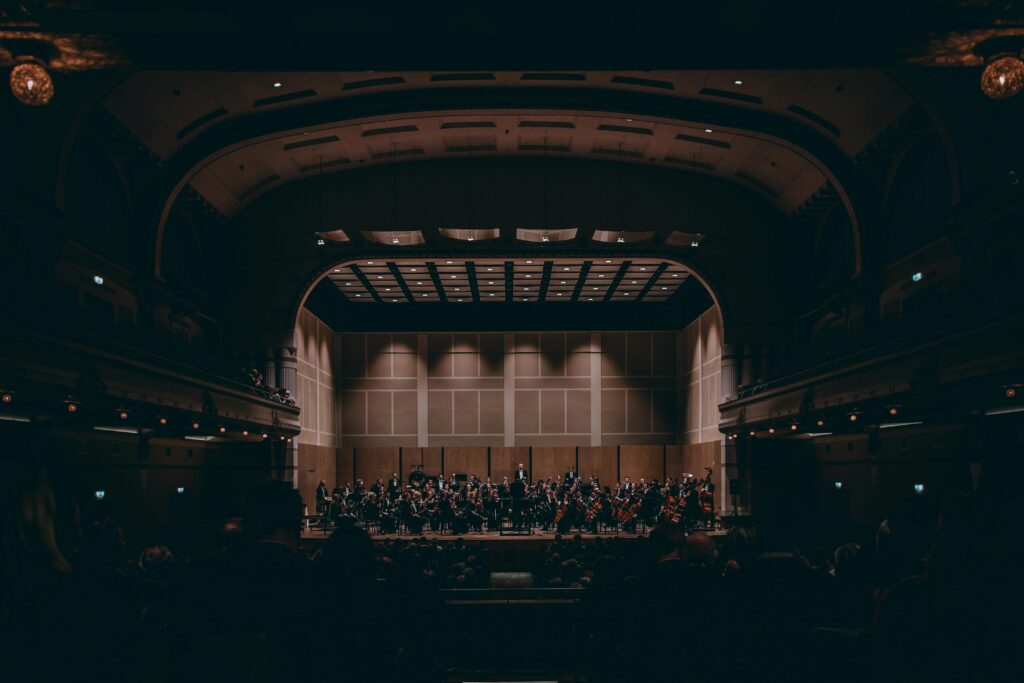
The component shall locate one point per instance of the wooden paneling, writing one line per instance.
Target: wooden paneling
(504, 460)
(692, 458)
(642, 462)
(375, 462)
(468, 461)
(315, 463)
(601, 461)
(549, 461)
(344, 469)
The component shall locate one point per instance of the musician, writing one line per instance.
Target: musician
(518, 492)
(570, 476)
(416, 477)
(322, 497)
(378, 487)
(394, 484)
(520, 474)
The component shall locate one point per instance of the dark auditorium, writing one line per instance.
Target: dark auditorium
(470, 342)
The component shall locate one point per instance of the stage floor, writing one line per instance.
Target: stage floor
(489, 536)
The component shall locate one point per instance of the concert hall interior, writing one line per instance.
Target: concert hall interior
(677, 341)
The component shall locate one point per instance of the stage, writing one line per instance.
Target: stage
(506, 552)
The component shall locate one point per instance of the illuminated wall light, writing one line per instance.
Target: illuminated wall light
(1003, 77)
(123, 414)
(195, 425)
(222, 429)
(31, 84)
(282, 438)
(821, 423)
(793, 427)
(753, 433)
(771, 430)
(1011, 392)
(245, 432)
(71, 404)
(163, 421)
(7, 397)
(853, 417)
(265, 435)
(894, 410)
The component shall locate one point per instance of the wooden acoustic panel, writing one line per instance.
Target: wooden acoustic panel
(374, 463)
(601, 461)
(345, 467)
(505, 459)
(466, 460)
(549, 461)
(642, 462)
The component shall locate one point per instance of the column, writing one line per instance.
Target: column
(286, 362)
(729, 469)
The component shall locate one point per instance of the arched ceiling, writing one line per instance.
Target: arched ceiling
(176, 113)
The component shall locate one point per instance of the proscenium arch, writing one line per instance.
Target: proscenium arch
(746, 260)
(765, 126)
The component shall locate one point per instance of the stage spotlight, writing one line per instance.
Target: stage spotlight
(245, 432)
(771, 430)
(1011, 392)
(894, 410)
(282, 437)
(71, 404)
(821, 423)
(753, 433)
(195, 425)
(265, 435)
(853, 417)
(793, 427)
(222, 429)
(163, 421)
(122, 414)
(7, 397)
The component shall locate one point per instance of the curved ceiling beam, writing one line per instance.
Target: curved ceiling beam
(791, 135)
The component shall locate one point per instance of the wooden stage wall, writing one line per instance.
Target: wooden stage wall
(609, 463)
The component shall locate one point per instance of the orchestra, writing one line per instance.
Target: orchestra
(460, 505)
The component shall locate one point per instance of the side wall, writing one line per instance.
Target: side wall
(317, 356)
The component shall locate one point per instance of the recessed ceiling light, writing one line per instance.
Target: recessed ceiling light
(629, 120)
(394, 299)
(559, 294)
(348, 284)
(675, 274)
(600, 275)
(563, 282)
(643, 269)
(453, 277)
(525, 299)
(448, 262)
(608, 261)
(426, 295)
(412, 270)
(737, 82)
(490, 269)
(526, 289)
(528, 275)
(369, 263)
(589, 299)
(458, 289)
(358, 294)
(459, 300)
(625, 294)
(634, 282)
(380, 277)
(566, 268)
(595, 287)
(708, 130)
(337, 270)
(492, 293)
(490, 282)
(419, 283)
(277, 84)
(664, 287)
(469, 239)
(387, 289)
(395, 240)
